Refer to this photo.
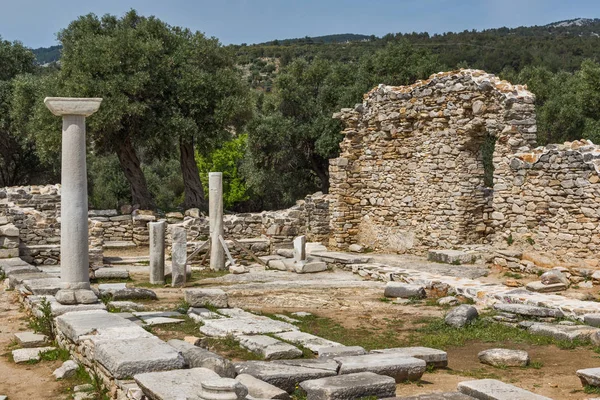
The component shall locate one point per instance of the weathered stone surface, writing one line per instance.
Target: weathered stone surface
(129, 357)
(461, 315)
(76, 324)
(261, 390)
(311, 342)
(201, 314)
(452, 256)
(341, 351)
(30, 339)
(202, 297)
(127, 305)
(592, 320)
(67, 370)
(554, 276)
(134, 294)
(399, 368)
(563, 332)
(43, 286)
(280, 375)
(183, 384)
(25, 355)
(351, 386)
(491, 389)
(504, 357)
(307, 267)
(244, 326)
(269, 348)
(448, 301)
(541, 288)
(111, 273)
(178, 256)
(196, 357)
(527, 310)
(589, 376)
(299, 248)
(404, 290)
(436, 396)
(433, 357)
(317, 363)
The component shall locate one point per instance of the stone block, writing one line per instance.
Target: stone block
(30, 339)
(74, 325)
(196, 357)
(319, 363)
(111, 273)
(434, 357)
(269, 348)
(131, 293)
(126, 305)
(453, 256)
(67, 370)
(43, 286)
(341, 351)
(563, 332)
(530, 311)
(189, 384)
(33, 354)
(589, 376)
(129, 357)
(539, 287)
(261, 390)
(461, 316)
(202, 297)
(399, 368)
(244, 326)
(504, 357)
(304, 267)
(311, 342)
(491, 389)
(592, 320)
(178, 256)
(299, 248)
(351, 386)
(404, 290)
(9, 230)
(285, 377)
(9, 253)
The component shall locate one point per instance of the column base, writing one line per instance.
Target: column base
(76, 296)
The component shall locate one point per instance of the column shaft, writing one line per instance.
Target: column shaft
(215, 216)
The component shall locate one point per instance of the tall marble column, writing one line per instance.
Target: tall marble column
(157, 252)
(215, 219)
(74, 245)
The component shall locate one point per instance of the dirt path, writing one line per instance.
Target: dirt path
(22, 382)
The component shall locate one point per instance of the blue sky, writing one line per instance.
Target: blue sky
(35, 22)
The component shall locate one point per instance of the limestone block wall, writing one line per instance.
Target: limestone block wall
(410, 175)
(552, 200)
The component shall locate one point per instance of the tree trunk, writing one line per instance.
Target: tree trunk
(322, 172)
(194, 194)
(130, 164)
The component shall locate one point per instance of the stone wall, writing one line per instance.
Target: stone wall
(410, 175)
(551, 201)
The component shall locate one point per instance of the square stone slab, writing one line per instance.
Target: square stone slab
(434, 357)
(311, 342)
(399, 368)
(244, 326)
(76, 324)
(351, 386)
(24, 355)
(43, 286)
(162, 321)
(30, 339)
(175, 385)
(589, 376)
(269, 348)
(491, 389)
(283, 376)
(129, 357)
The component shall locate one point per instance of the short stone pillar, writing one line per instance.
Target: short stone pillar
(157, 252)
(178, 256)
(300, 248)
(74, 245)
(215, 218)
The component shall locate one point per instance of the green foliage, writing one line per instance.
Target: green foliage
(56, 354)
(226, 159)
(43, 323)
(107, 185)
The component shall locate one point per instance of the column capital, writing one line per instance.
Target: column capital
(72, 105)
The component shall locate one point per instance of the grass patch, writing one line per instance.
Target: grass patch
(588, 389)
(43, 323)
(230, 348)
(513, 275)
(385, 300)
(56, 354)
(477, 373)
(535, 364)
(188, 327)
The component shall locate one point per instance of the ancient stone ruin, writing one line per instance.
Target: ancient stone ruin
(411, 174)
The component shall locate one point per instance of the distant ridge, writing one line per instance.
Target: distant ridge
(336, 38)
(574, 22)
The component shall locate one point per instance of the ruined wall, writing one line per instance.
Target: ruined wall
(410, 175)
(552, 201)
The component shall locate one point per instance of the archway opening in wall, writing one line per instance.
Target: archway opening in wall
(487, 152)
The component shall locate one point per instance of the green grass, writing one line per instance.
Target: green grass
(513, 275)
(43, 323)
(230, 347)
(385, 299)
(189, 327)
(52, 355)
(477, 373)
(535, 365)
(588, 389)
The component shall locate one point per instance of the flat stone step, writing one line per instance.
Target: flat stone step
(75, 325)
(311, 342)
(25, 355)
(539, 287)
(111, 273)
(434, 357)
(530, 311)
(129, 357)
(562, 332)
(60, 309)
(399, 368)
(269, 348)
(30, 339)
(261, 390)
(341, 351)
(285, 377)
(341, 258)
(181, 384)
(244, 326)
(491, 389)
(351, 386)
(43, 286)
(120, 245)
(316, 363)
(17, 278)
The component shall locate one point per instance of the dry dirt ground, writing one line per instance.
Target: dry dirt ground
(23, 382)
(352, 307)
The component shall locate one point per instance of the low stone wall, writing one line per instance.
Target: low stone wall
(552, 202)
